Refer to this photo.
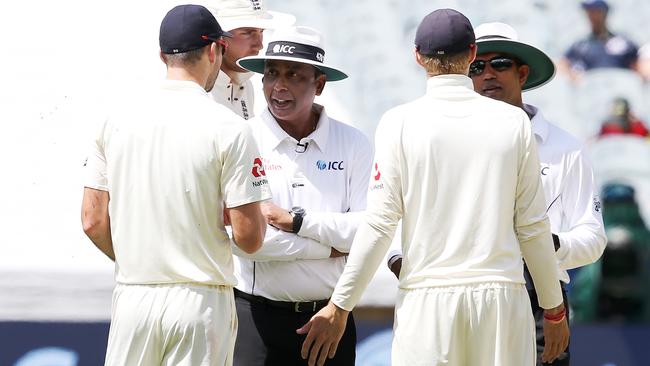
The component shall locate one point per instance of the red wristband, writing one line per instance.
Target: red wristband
(555, 318)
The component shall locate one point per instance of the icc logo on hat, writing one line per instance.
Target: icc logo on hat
(283, 48)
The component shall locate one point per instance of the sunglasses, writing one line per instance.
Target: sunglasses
(219, 41)
(499, 63)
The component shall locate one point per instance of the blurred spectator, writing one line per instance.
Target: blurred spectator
(622, 121)
(615, 288)
(643, 62)
(601, 48)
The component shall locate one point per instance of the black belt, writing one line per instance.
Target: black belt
(298, 307)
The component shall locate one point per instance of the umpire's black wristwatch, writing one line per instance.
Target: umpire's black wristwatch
(297, 213)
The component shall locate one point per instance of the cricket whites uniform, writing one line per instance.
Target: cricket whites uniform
(236, 94)
(326, 173)
(170, 161)
(462, 172)
(572, 205)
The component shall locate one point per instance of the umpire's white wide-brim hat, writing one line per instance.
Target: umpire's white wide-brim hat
(233, 14)
(502, 38)
(296, 44)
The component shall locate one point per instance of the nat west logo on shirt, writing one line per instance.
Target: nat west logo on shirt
(376, 176)
(258, 172)
(329, 165)
(258, 168)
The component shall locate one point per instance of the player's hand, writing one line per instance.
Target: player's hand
(277, 216)
(556, 336)
(335, 253)
(324, 331)
(396, 267)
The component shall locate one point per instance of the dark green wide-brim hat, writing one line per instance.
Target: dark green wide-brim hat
(502, 38)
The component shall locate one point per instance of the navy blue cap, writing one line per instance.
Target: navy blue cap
(595, 4)
(188, 27)
(444, 32)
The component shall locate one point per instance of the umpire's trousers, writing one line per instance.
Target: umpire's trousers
(267, 333)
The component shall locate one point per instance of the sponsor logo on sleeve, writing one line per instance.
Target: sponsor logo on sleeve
(258, 168)
(376, 177)
(256, 4)
(597, 204)
(258, 172)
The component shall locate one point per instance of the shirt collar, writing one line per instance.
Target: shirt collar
(319, 136)
(449, 83)
(540, 124)
(183, 85)
(240, 78)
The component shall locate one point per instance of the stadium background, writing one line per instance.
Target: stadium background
(63, 61)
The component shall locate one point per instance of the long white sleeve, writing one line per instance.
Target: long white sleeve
(532, 226)
(376, 232)
(584, 241)
(283, 246)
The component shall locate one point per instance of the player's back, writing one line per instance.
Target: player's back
(165, 154)
(463, 158)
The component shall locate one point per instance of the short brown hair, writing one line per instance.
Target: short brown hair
(446, 64)
(188, 58)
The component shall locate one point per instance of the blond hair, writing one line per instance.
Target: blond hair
(457, 63)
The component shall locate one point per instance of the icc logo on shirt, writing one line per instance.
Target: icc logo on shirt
(331, 165)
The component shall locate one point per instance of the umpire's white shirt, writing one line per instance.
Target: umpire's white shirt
(573, 206)
(462, 172)
(329, 180)
(237, 94)
(170, 161)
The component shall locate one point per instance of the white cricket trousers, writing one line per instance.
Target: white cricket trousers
(172, 324)
(478, 324)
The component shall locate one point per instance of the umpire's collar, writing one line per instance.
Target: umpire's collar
(318, 137)
(540, 125)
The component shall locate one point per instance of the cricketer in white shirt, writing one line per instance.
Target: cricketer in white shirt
(171, 159)
(329, 180)
(462, 172)
(572, 202)
(237, 94)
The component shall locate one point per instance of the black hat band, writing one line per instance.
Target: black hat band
(296, 50)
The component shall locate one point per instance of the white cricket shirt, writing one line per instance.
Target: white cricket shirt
(329, 180)
(237, 94)
(461, 171)
(572, 202)
(170, 161)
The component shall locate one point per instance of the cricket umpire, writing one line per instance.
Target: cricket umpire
(504, 68)
(318, 170)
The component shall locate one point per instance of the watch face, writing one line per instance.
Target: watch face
(298, 211)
